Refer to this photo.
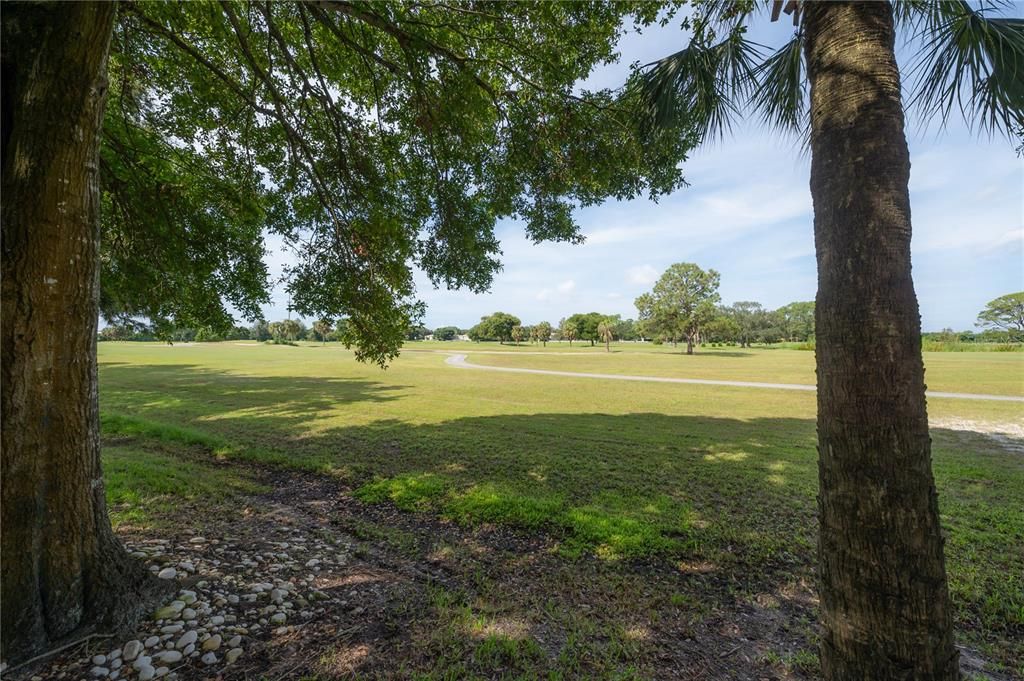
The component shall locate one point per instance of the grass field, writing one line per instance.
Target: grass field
(702, 479)
(997, 373)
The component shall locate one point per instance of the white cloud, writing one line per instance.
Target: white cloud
(567, 286)
(644, 275)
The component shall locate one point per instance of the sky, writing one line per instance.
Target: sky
(747, 214)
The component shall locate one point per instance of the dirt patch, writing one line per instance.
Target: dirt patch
(308, 582)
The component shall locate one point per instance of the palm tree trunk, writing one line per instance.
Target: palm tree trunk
(62, 566)
(884, 599)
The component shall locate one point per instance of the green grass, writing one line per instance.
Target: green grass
(978, 372)
(721, 477)
(146, 478)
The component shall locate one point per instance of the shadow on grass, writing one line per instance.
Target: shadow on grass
(705, 494)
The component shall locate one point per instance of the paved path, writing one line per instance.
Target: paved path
(459, 361)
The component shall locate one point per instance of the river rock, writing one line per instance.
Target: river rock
(233, 655)
(131, 650)
(170, 656)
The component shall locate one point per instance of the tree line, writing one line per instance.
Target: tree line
(695, 312)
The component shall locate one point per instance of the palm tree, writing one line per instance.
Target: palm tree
(569, 333)
(322, 327)
(606, 332)
(884, 599)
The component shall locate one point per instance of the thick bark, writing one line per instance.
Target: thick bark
(884, 599)
(62, 566)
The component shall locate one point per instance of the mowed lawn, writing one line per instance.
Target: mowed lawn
(996, 373)
(688, 475)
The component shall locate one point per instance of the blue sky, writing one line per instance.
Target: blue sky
(747, 214)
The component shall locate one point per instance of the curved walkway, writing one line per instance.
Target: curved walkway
(459, 361)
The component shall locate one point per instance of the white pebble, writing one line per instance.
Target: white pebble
(209, 658)
(99, 660)
(131, 650)
(146, 673)
(186, 638)
(170, 656)
(167, 573)
(151, 641)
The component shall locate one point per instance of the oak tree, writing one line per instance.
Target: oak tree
(365, 136)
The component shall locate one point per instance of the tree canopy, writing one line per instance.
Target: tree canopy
(682, 301)
(368, 137)
(495, 327)
(1005, 313)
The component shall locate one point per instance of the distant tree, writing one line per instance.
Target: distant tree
(518, 333)
(1005, 313)
(287, 330)
(446, 333)
(260, 331)
(497, 326)
(183, 334)
(237, 333)
(568, 331)
(606, 332)
(682, 301)
(796, 321)
(322, 329)
(207, 335)
(294, 329)
(586, 325)
(722, 328)
(625, 329)
(751, 319)
(417, 332)
(543, 332)
(115, 332)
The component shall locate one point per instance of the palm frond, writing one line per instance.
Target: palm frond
(700, 85)
(969, 60)
(780, 94)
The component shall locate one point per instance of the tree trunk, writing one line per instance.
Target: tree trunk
(689, 345)
(62, 567)
(884, 600)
